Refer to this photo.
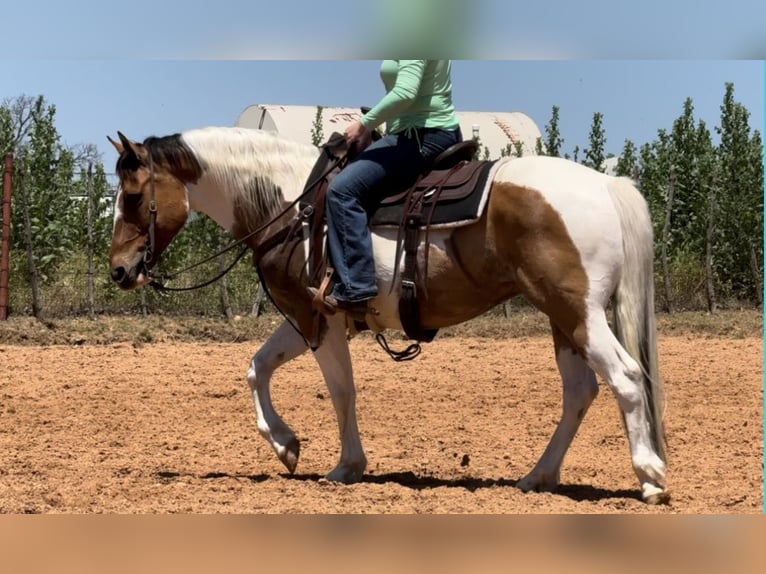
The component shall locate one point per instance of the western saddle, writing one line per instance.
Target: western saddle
(454, 175)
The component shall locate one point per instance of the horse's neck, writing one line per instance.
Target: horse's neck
(208, 198)
(238, 193)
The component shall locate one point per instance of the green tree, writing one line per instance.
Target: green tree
(627, 163)
(687, 217)
(317, 130)
(48, 171)
(594, 154)
(740, 199)
(553, 139)
(49, 232)
(707, 162)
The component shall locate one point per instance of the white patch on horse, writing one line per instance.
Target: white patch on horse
(600, 247)
(232, 158)
(387, 301)
(117, 209)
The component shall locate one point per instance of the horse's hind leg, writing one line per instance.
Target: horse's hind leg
(580, 388)
(283, 345)
(624, 376)
(334, 360)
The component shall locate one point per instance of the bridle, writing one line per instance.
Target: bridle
(151, 241)
(279, 237)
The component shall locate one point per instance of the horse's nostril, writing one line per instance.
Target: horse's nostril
(118, 274)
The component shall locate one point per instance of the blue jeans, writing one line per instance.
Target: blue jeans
(386, 167)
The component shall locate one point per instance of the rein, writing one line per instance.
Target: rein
(157, 282)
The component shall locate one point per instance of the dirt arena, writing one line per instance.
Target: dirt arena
(169, 427)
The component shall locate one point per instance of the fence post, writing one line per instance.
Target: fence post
(5, 258)
(89, 284)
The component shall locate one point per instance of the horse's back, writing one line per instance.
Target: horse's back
(553, 175)
(580, 195)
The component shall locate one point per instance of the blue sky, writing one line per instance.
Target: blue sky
(95, 98)
(159, 67)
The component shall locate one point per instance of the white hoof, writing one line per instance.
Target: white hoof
(653, 494)
(347, 473)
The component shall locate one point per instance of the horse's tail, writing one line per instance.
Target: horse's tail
(634, 318)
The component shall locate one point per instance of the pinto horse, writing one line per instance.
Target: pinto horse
(568, 238)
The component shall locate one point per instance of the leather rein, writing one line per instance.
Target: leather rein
(157, 281)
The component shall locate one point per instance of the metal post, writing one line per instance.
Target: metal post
(5, 258)
(89, 284)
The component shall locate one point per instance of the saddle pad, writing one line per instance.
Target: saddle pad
(448, 212)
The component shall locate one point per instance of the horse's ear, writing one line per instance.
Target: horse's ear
(132, 147)
(117, 145)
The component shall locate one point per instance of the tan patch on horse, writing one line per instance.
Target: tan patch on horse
(174, 166)
(131, 232)
(520, 246)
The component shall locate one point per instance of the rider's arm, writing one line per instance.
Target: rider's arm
(400, 97)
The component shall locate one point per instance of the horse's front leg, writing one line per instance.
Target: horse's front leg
(285, 344)
(334, 360)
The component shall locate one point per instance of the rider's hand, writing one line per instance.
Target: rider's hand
(355, 132)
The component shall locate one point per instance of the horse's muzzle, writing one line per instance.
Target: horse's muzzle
(130, 278)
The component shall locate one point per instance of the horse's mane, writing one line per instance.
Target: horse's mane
(169, 152)
(253, 167)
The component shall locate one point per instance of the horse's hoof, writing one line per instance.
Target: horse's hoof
(662, 497)
(347, 474)
(535, 483)
(289, 454)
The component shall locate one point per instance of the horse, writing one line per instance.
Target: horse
(568, 238)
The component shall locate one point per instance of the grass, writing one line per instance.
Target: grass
(139, 330)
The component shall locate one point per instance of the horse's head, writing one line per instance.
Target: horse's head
(151, 207)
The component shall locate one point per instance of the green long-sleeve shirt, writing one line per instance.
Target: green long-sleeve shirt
(419, 94)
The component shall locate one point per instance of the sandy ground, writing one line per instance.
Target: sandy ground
(167, 428)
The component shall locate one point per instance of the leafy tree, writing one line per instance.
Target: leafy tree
(687, 217)
(477, 154)
(707, 162)
(627, 164)
(48, 171)
(50, 212)
(654, 174)
(594, 154)
(317, 130)
(553, 139)
(740, 198)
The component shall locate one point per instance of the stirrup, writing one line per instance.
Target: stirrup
(319, 297)
(329, 305)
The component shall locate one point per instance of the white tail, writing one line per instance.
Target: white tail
(634, 318)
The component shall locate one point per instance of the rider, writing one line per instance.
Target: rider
(420, 123)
